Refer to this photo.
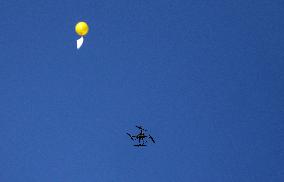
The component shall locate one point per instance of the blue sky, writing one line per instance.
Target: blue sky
(204, 77)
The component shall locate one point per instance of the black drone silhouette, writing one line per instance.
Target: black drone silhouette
(141, 137)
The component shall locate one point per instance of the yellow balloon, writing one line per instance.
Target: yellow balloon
(82, 28)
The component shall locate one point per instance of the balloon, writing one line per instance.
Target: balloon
(82, 28)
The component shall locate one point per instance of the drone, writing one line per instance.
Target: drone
(141, 137)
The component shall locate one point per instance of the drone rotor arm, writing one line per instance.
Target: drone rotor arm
(130, 136)
(152, 139)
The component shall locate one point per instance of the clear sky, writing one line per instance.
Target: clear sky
(204, 77)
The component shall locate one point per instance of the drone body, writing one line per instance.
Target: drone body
(141, 137)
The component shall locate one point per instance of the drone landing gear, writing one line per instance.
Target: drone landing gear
(140, 145)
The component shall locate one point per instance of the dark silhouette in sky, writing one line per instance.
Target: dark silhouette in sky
(206, 78)
(141, 136)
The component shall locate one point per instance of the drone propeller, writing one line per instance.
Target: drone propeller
(152, 138)
(141, 128)
(130, 136)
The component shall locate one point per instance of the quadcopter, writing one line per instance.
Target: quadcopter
(141, 137)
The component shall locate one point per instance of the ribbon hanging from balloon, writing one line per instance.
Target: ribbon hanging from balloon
(80, 42)
(81, 29)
